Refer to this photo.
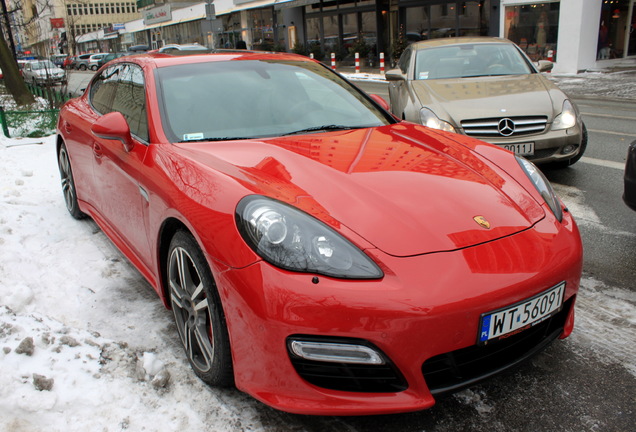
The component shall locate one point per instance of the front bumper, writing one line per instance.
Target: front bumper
(550, 146)
(425, 307)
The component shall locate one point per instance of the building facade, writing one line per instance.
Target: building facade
(575, 34)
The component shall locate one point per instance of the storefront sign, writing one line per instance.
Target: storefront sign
(157, 15)
(57, 23)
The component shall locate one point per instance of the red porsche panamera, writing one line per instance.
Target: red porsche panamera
(319, 254)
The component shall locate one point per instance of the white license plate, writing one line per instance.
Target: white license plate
(516, 318)
(523, 149)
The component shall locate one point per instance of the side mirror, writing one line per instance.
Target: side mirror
(113, 126)
(380, 101)
(394, 75)
(544, 65)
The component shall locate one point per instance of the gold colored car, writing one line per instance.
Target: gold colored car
(489, 89)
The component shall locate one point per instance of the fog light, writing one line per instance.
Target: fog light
(568, 149)
(336, 352)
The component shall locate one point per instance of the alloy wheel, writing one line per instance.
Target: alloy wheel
(191, 309)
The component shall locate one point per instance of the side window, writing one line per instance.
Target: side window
(103, 89)
(130, 100)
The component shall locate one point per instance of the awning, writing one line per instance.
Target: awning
(286, 4)
(172, 22)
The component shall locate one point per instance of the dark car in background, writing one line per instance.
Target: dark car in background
(58, 59)
(108, 57)
(629, 195)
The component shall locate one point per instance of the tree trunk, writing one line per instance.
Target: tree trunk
(12, 78)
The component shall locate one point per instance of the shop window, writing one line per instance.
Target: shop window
(612, 30)
(534, 28)
(443, 21)
(474, 18)
(262, 26)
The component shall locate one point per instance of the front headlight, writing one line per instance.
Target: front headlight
(543, 186)
(291, 239)
(428, 118)
(567, 118)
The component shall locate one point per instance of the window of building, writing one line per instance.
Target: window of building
(261, 22)
(613, 39)
(534, 28)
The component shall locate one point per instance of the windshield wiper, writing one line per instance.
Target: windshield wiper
(215, 139)
(331, 127)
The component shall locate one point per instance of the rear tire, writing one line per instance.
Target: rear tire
(197, 312)
(68, 183)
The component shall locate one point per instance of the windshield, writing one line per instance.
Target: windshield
(43, 65)
(259, 98)
(470, 60)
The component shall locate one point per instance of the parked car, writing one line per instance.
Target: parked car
(489, 89)
(93, 61)
(80, 62)
(138, 49)
(68, 62)
(167, 49)
(108, 57)
(58, 59)
(40, 72)
(322, 255)
(629, 195)
(21, 64)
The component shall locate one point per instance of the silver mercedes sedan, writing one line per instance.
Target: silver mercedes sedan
(489, 89)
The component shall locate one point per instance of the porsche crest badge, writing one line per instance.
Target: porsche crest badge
(482, 222)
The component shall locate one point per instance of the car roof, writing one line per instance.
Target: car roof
(160, 60)
(458, 41)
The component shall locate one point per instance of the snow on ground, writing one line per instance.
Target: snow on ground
(83, 340)
(86, 345)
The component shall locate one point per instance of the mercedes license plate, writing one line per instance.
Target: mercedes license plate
(522, 149)
(518, 317)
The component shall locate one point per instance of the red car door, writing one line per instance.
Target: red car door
(122, 201)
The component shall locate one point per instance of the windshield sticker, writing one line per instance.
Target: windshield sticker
(192, 136)
(423, 75)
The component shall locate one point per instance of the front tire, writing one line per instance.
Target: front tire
(68, 184)
(197, 312)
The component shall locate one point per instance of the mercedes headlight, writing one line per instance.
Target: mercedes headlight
(293, 240)
(428, 118)
(567, 118)
(543, 186)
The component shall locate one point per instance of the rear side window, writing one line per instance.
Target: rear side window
(103, 89)
(130, 99)
(121, 88)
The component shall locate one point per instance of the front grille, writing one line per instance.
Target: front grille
(350, 377)
(504, 126)
(464, 367)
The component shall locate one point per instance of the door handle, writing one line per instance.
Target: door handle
(97, 150)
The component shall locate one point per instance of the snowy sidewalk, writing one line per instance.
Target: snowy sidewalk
(616, 84)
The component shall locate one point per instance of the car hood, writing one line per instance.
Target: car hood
(483, 97)
(405, 189)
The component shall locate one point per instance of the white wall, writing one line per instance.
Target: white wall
(578, 35)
